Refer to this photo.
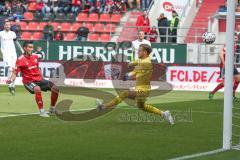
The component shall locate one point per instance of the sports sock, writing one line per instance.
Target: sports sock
(54, 97)
(9, 75)
(38, 98)
(151, 109)
(235, 86)
(218, 87)
(116, 100)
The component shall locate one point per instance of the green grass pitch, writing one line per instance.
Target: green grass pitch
(113, 136)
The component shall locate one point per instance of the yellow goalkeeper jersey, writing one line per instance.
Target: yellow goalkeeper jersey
(143, 73)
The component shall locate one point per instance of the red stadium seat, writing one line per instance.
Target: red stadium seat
(104, 17)
(32, 6)
(32, 26)
(75, 26)
(93, 17)
(105, 37)
(66, 26)
(28, 16)
(37, 36)
(26, 36)
(90, 26)
(70, 37)
(99, 27)
(55, 25)
(93, 37)
(23, 25)
(110, 28)
(116, 18)
(82, 17)
(41, 25)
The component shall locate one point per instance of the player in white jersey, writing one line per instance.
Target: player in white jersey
(8, 50)
(137, 43)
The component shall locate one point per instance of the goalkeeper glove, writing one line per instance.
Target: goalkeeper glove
(126, 77)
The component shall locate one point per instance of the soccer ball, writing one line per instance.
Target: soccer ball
(208, 37)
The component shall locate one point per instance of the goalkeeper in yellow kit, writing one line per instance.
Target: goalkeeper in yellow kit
(143, 73)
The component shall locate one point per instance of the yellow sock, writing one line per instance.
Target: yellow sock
(116, 100)
(151, 109)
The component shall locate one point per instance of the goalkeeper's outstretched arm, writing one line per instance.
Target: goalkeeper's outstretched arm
(129, 76)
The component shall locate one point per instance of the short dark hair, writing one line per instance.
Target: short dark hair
(146, 47)
(27, 43)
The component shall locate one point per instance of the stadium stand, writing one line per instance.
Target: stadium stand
(26, 36)
(93, 37)
(37, 35)
(207, 9)
(98, 22)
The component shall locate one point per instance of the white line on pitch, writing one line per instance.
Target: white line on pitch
(86, 109)
(199, 154)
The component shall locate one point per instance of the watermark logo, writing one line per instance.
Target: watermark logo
(144, 117)
(90, 72)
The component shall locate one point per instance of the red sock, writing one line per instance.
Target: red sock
(235, 86)
(54, 97)
(38, 98)
(219, 86)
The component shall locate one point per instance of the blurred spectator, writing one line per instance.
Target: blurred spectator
(39, 6)
(173, 27)
(7, 9)
(119, 6)
(130, 3)
(76, 6)
(223, 8)
(65, 6)
(16, 28)
(55, 6)
(143, 22)
(46, 7)
(82, 33)
(108, 6)
(40, 53)
(48, 31)
(102, 5)
(1, 6)
(145, 4)
(93, 5)
(153, 34)
(111, 6)
(162, 27)
(58, 35)
(17, 11)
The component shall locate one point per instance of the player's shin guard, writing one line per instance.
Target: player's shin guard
(116, 100)
(38, 98)
(219, 86)
(151, 109)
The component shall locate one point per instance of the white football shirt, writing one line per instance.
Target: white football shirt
(7, 43)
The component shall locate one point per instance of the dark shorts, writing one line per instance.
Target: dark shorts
(222, 72)
(45, 85)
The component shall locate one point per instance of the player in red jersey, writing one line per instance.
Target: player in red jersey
(33, 81)
(222, 72)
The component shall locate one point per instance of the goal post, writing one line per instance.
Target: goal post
(228, 84)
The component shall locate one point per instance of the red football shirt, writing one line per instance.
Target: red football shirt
(29, 67)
